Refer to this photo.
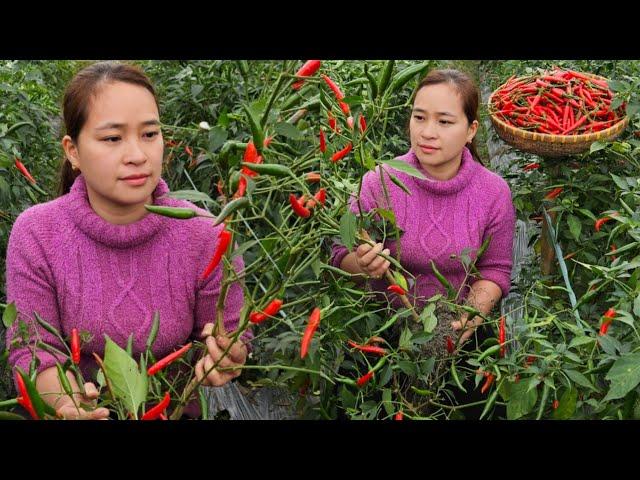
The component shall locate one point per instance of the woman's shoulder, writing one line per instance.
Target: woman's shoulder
(491, 182)
(39, 217)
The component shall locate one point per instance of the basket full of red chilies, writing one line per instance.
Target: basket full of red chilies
(556, 113)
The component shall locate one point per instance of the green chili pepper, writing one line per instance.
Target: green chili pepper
(483, 247)
(373, 86)
(269, 169)
(385, 76)
(172, 212)
(129, 348)
(39, 405)
(401, 78)
(451, 293)
(488, 351)
(256, 130)
(454, 374)
(543, 401)
(47, 326)
(489, 404)
(230, 208)
(64, 380)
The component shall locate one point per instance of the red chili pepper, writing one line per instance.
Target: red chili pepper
(604, 327)
(553, 193)
(529, 360)
(323, 142)
(600, 222)
(487, 383)
(313, 177)
(339, 155)
(321, 196)
(309, 68)
(155, 412)
(270, 311)
(188, 150)
(531, 166)
(224, 239)
(399, 416)
(610, 313)
(350, 122)
(363, 380)
(172, 357)
(24, 398)
(242, 186)
(297, 85)
(75, 346)
(363, 123)
(300, 210)
(502, 337)
(555, 404)
(336, 90)
(251, 156)
(312, 326)
(23, 170)
(451, 347)
(345, 109)
(368, 348)
(396, 289)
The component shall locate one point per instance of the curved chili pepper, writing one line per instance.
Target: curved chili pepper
(155, 412)
(487, 383)
(321, 196)
(270, 311)
(604, 327)
(312, 326)
(323, 142)
(363, 123)
(345, 109)
(399, 416)
(332, 85)
(396, 289)
(250, 156)
(553, 193)
(531, 166)
(24, 398)
(242, 185)
(339, 155)
(600, 222)
(75, 346)
(224, 239)
(368, 348)
(23, 170)
(363, 380)
(172, 357)
(298, 208)
(309, 68)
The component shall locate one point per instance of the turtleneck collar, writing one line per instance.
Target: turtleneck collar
(117, 236)
(468, 167)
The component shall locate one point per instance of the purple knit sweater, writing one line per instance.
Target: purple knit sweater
(78, 270)
(441, 218)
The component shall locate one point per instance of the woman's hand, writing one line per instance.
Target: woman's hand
(369, 262)
(236, 356)
(467, 327)
(84, 407)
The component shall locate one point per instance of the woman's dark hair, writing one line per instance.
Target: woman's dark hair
(78, 95)
(468, 91)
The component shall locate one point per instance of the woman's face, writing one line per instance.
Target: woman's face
(439, 129)
(121, 137)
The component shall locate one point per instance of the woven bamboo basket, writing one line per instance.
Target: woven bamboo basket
(547, 145)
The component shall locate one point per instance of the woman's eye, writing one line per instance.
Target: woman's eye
(111, 139)
(445, 122)
(418, 117)
(151, 134)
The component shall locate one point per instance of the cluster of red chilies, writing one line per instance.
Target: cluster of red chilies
(559, 102)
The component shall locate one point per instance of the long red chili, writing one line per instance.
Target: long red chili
(309, 68)
(24, 398)
(23, 170)
(332, 85)
(312, 326)
(298, 208)
(502, 337)
(451, 347)
(339, 155)
(363, 123)
(321, 196)
(155, 412)
(75, 346)
(345, 109)
(363, 380)
(487, 383)
(270, 311)
(600, 222)
(396, 289)
(172, 357)
(531, 166)
(609, 315)
(332, 121)
(368, 348)
(323, 142)
(224, 239)
(553, 193)
(242, 185)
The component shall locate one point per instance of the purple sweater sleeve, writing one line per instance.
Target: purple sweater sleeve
(369, 199)
(496, 262)
(31, 286)
(209, 292)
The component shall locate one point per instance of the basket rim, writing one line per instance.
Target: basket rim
(549, 137)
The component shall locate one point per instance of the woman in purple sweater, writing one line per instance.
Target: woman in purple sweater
(94, 259)
(458, 205)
